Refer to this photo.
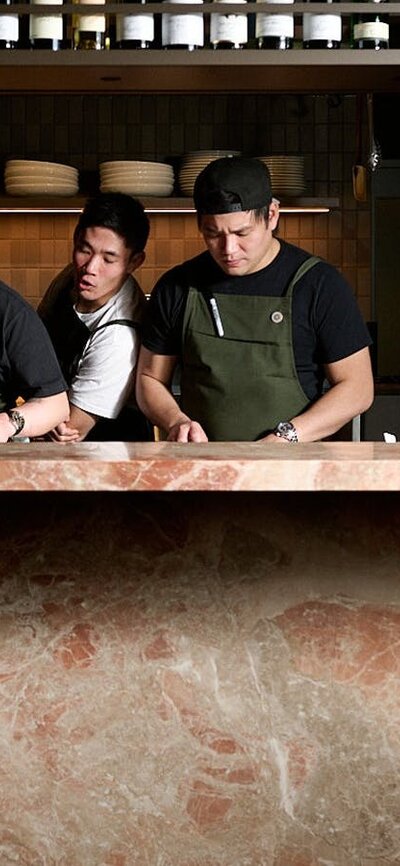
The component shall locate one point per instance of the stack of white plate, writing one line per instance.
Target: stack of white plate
(34, 177)
(136, 177)
(287, 174)
(194, 162)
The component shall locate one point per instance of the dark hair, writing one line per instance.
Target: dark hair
(119, 212)
(261, 214)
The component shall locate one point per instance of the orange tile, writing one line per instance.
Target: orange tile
(46, 252)
(292, 227)
(17, 253)
(5, 252)
(334, 254)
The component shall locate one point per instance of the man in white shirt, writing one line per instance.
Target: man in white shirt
(92, 311)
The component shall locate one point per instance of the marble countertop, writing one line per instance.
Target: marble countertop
(232, 466)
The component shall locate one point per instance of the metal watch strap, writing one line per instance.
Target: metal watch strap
(17, 420)
(286, 430)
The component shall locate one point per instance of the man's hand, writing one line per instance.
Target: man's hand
(64, 434)
(6, 428)
(187, 431)
(271, 437)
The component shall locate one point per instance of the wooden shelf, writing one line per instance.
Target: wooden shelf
(58, 204)
(248, 71)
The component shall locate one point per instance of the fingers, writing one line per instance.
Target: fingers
(64, 434)
(187, 431)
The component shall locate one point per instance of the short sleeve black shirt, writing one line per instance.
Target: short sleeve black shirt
(28, 364)
(327, 324)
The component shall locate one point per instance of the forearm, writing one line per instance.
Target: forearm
(158, 404)
(76, 428)
(331, 412)
(40, 416)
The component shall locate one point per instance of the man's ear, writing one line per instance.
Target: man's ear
(136, 260)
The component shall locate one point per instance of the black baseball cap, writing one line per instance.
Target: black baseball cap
(232, 183)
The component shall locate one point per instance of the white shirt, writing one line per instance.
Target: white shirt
(104, 380)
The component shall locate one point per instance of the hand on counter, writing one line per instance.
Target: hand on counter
(187, 431)
(64, 434)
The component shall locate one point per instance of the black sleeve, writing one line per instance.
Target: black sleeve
(33, 367)
(339, 325)
(163, 318)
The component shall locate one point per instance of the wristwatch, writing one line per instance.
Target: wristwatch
(286, 430)
(17, 420)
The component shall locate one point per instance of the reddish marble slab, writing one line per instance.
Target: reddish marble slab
(163, 466)
(196, 680)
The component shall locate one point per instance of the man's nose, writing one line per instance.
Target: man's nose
(91, 264)
(228, 243)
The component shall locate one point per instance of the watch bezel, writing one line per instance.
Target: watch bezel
(286, 430)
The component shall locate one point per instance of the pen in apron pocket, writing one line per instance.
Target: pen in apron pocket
(217, 318)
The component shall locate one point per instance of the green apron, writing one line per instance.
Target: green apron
(240, 384)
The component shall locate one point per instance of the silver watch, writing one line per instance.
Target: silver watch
(17, 420)
(286, 430)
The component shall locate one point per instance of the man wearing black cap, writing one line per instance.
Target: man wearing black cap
(256, 325)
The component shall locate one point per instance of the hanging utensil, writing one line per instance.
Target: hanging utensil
(359, 173)
(375, 154)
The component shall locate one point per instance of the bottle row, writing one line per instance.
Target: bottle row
(189, 31)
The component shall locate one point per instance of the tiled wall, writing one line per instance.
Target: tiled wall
(85, 130)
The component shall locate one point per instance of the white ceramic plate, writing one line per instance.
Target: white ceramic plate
(148, 175)
(132, 163)
(38, 164)
(137, 188)
(41, 189)
(39, 179)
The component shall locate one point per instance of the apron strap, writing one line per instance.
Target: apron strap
(303, 269)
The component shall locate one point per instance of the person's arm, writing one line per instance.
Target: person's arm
(103, 382)
(76, 428)
(351, 393)
(153, 381)
(40, 415)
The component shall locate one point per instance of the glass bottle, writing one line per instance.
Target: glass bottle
(322, 31)
(134, 31)
(182, 31)
(89, 31)
(275, 31)
(228, 31)
(370, 30)
(9, 28)
(47, 31)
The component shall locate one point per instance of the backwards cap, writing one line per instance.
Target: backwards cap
(233, 183)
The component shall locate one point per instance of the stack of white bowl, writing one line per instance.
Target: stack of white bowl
(287, 174)
(34, 177)
(193, 163)
(136, 177)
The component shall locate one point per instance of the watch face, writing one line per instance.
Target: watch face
(287, 431)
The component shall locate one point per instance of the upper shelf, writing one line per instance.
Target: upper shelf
(344, 70)
(50, 204)
(299, 70)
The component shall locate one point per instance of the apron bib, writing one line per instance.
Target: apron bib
(239, 385)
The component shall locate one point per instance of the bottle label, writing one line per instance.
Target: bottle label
(322, 27)
(46, 26)
(228, 28)
(275, 25)
(135, 27)
(91, 23)
(372, 30)
(9, 30)
(182, 29)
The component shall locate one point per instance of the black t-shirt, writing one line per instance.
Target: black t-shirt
(327, 323)
(28, 364)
